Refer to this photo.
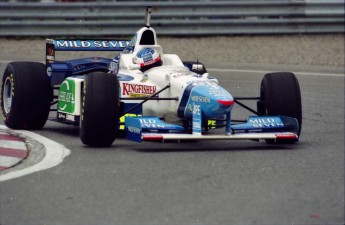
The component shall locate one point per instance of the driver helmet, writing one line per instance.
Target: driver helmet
(147, 58)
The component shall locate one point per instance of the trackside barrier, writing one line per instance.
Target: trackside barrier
(181, 18)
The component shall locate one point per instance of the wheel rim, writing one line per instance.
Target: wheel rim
(7, 95)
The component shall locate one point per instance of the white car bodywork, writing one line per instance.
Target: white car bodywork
(172, 72)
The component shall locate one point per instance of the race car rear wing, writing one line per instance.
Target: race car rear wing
(82, 45)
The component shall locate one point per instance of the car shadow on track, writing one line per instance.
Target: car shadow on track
(202, 146)
(71, 131)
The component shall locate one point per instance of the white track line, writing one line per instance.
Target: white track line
(55, 153)
(265, 71)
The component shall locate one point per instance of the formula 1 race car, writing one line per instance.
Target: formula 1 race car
(150, 95)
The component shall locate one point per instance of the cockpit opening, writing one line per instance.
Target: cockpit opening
(147, 38)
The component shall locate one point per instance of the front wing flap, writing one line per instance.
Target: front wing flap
(265, 128)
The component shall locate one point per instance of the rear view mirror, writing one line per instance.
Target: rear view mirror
(198, 68)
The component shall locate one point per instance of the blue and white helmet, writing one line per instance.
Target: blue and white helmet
(147, 58)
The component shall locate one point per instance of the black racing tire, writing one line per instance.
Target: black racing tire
(26, 95)
(280, 96)
(100, 109)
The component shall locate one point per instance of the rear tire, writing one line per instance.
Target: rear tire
(280, 96)
(100, 109)
(25, 95)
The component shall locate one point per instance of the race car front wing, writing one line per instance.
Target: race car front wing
(256, 128)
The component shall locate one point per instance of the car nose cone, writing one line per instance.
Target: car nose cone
(226, 103)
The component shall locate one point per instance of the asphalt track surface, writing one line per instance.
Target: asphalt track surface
(197, 182)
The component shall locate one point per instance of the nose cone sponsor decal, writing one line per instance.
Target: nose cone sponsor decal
(213, 100)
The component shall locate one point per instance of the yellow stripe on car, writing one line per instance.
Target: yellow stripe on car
(211, 124)
(122, 119)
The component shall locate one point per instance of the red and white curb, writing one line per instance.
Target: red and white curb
(54, 154)
(12, 150)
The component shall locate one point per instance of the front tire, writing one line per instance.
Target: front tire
(25, 95)
(100, 109)
(280, 95)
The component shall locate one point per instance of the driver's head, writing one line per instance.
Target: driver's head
(147, 58)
